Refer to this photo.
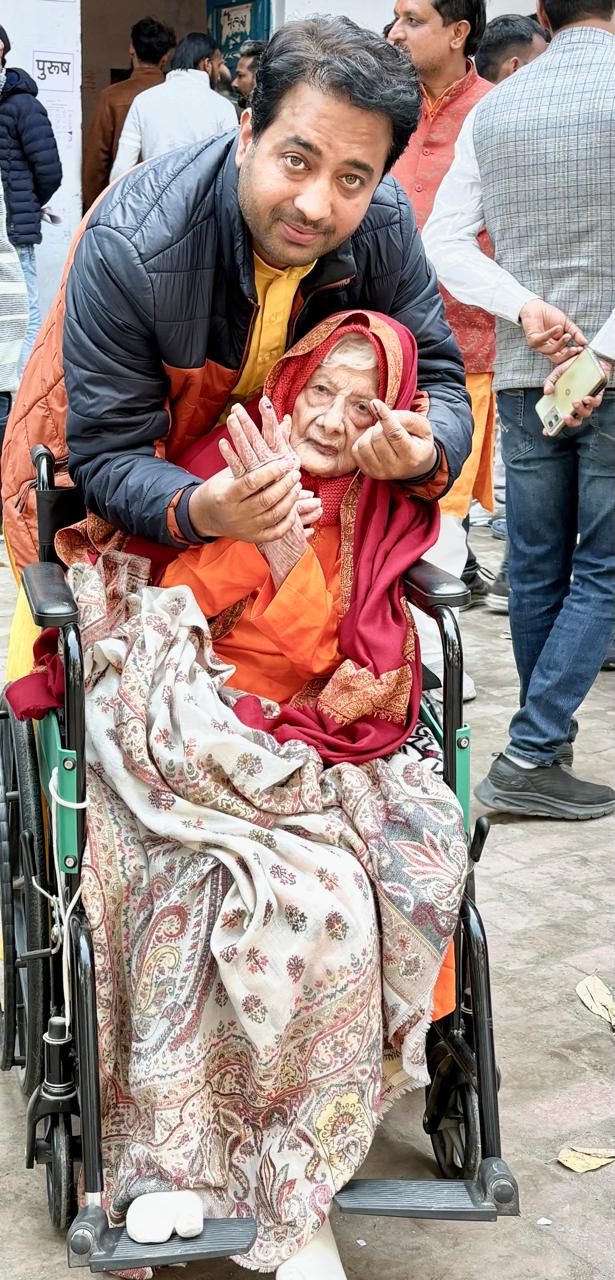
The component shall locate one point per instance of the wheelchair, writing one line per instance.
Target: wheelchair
(48, 1029)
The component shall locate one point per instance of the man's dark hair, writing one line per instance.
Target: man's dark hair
(504, 37)
(339, 57)
(151, 40)
(253, 49)
(7, 46)
(472, 11)
(562, 12)
(194, 47)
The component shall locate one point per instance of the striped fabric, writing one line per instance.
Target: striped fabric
(545, 145)
(13, 307)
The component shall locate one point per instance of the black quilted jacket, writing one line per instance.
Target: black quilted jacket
(29, 160)
(159, 308)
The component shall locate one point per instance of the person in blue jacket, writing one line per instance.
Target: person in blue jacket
(31, 174)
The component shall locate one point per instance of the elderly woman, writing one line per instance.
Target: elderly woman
(272, 883)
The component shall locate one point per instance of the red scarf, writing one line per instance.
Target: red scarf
(370, 705)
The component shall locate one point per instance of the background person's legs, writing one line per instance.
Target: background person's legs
(556, 679)
(27, 258)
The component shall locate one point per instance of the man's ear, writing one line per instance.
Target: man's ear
(542, 17)
(205, 65)
(507, 68)
(459, 34)
(246, 137)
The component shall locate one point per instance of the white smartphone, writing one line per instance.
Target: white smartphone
(585, 377)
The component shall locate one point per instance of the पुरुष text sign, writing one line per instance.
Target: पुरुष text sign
(53, 70)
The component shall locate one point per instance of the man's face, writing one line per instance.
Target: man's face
(215, 62)
(244, 78)
(420, 31)
(330, 414)
(305, 184)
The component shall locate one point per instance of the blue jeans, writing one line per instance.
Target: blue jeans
(560, 504)
(27, 258)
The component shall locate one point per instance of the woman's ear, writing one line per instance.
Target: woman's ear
(246, 137)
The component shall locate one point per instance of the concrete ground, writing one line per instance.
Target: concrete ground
(546, 893)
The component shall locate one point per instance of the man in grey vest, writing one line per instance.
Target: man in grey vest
(534, 164)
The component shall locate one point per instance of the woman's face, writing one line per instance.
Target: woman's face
(330, 414)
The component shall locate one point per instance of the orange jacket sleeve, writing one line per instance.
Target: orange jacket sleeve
(302, 617)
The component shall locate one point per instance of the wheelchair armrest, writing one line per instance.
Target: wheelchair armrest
(428, 587)
(50, 598)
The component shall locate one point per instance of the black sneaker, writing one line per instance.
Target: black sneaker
(565, 755)
(545, 792)
(496, 598)
(480, 585)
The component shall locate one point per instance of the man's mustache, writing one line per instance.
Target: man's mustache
(319, 228)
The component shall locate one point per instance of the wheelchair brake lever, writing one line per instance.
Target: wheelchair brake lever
(481, 831)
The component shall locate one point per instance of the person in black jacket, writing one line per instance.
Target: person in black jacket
(31, 173)
(199, 268)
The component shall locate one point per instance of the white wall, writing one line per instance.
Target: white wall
(53, 28)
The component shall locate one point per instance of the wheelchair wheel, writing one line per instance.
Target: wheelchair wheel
(61, 1197)
(25, 917)
(456, 1144)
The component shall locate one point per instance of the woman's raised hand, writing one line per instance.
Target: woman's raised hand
(399, 446)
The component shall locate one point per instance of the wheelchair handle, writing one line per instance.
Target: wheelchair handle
(43, 462)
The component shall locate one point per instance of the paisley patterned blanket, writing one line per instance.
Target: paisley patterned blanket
(267, 932)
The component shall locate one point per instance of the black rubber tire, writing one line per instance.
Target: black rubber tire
(8, 995)
(61, 1197)
(456, 1144)
(30, 910)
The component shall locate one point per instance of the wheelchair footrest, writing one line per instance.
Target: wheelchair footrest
(395, 1198)
(115, 1251)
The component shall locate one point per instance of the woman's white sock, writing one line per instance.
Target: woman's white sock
(152, 1219)
(319, 1260)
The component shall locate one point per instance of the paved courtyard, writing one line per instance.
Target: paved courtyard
(546, 893)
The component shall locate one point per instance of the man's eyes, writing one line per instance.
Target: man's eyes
(294, 161)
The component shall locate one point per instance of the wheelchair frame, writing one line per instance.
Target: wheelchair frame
(461, 1111)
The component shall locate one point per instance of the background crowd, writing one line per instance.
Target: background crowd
(522, 247)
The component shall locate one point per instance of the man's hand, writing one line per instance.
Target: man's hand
(399, 447)
(581, 409)
(258, 507)
(550, 331)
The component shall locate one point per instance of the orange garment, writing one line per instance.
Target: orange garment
(283, 638)
(476, 478)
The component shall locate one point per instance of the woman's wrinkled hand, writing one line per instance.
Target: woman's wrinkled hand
(248, 455)
(400, 446)
(258, 497)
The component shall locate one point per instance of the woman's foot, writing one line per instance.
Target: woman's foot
(319, 1260)
(152, 1219)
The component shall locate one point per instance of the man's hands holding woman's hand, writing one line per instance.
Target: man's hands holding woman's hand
(258, 497)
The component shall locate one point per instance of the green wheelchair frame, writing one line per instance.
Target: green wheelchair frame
(49, 1025)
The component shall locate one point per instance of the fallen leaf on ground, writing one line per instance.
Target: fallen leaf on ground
(597, 997)
(584, 1159)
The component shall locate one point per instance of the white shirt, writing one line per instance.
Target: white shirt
(184, 109)
(449, 240)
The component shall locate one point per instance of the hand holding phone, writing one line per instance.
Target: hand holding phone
(581, 377)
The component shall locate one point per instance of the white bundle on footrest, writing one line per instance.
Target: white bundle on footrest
(152, 1219)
